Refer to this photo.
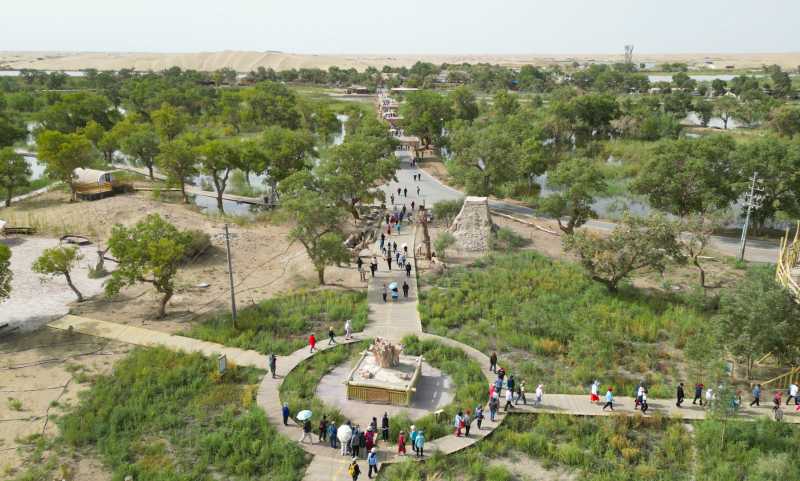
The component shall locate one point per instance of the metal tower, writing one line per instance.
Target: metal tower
(628, 53)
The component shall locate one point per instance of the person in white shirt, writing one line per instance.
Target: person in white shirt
(793, 391)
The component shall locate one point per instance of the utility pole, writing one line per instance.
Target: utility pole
(228, 236)
(752, 202)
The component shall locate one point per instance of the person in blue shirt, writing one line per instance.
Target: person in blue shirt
(419, 443)
(286, 414)
(372, 461)
(756, 395)
(698, 393)
(609, 400)
(332, 429)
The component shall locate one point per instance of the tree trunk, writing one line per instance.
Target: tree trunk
(101, 259)
(354, 211)
(219, 203)
(321, 275)
(162, 304)
(247, 176)
(72, 286)
(273, 197)
(73, 192)
(183, 193)
(152, 177)
(724, 426)
(611, 284)
(8, 197)
(426, 238)
(700, 271)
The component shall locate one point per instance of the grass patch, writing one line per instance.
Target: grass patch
(165, 415)
(281, 325)
(553, 326)
(36, 184)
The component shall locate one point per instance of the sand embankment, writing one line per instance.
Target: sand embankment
(243, 61)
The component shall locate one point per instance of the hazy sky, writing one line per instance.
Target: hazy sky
(398, 27)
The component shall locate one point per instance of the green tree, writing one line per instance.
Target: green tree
(578, 180)
(59, 261)
(169, 122)
(279, 153)
(718, 87)
(689, 176)
(148, 253)
(179, 160)
(533, 164)
(785, 121)
(704, 110)
(684, 82)
(595, 112)
(560, 120)
(443, 241)
(233, 112)
(724, 107)
(357, 167)
(326, 122)
(448, 209)
(11, 131)
(725, 406)
(741, 322)
(218, 159)
(464, 104)
(317, 227)
(781, 83)
(62, 154)
(77, 110)
(678, 103)
(425, 115)
(93, 132)
(14, 172)
(696, 234)
(778, 165)
(755, 105)
(5, 272)
(143, 147)
(484, 160)
(505, 104)
(635, 243)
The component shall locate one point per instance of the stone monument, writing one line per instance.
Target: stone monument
(473, 225)
(384, 375)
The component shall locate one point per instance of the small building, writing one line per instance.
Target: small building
(92, 184)
(356, 89)
(730, 67)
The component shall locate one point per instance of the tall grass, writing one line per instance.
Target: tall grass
(163, 415)
(281, 325)
(555, 327)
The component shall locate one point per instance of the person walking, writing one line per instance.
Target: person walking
(404, 208)
(609, 400)
(413, 438)
(388, 230)
(413, 204)
(498, 384)
(332, 433)
(331, 335)
(348, 329)
(698, 393)
(306, 432)
(639, 391)
(793, 392)
(459, 423)
(387, 221)
(398, 193)
(756, 396)
(312, 341)
(680, 395)
(273, 360)
(355, 441)
(644, 401)
(595, 396)
(401, 444)
(384, 291)
(323, 428)
(521, 394)
(467, 422)
(494, 405)
(370, 439)
(405, 192)
(397, 259)
(394, 294)
(405, 289)
(776, 401)
(375, 262)
(399, 228)
(391, 197)
(709, 396)
(539, 394)
(417, 190)
(479, 416)
(509, 399)
(408, 270)
(360, 261)
(355, 470)
(389, 262)
(493, 362)
(419, 444)
(286, 413)
(501, 373)
(372, 462)
(374, 426)
(511, 384)
(385, 427)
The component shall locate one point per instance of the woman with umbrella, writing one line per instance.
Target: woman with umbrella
(305, 416)
(344, 434)
(393, 287)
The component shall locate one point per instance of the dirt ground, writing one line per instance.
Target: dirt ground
(525, 468)
(264, 264)
(41, 374)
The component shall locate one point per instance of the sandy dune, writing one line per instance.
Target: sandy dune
(242, 61)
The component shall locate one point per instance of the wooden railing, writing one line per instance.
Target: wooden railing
(788, 258)
(784, 381)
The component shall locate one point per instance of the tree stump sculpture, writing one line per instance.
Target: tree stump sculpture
(386, 353)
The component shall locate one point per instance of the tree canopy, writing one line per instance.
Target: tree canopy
(577, 181)
(14, 172)
(62, 154)
(484, 160)
(59, 261)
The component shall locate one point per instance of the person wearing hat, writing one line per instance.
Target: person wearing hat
(286, 414)
(793, 392)
(372, 462)
(401, 443)
(370, 437)
(419, 443)
(467, 422)
(609, 400)
(312, 341)
(521, 394)
(698, 393)
(332, 433)
(331, 340)
(756, 396)
(680, 395)
(738, 399)
(354, 470)
(595, 392)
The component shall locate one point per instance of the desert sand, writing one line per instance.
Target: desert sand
(243, 61)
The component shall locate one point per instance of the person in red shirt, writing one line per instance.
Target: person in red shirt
(313, 341)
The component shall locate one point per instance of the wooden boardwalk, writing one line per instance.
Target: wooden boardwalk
(392, 320)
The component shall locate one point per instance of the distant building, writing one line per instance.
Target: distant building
(356, 89)
(730, 66)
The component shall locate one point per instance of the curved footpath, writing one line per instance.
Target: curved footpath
(392, 320)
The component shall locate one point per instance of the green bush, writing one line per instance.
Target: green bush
(281, 325)
(506, 240)
(163, 415)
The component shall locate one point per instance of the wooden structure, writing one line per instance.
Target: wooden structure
(357, 89)
(361, 386)
(788, 272)
(95, 184)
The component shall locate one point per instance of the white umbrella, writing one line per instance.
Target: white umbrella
(344, 433)
(303, 415)
(404, 245)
